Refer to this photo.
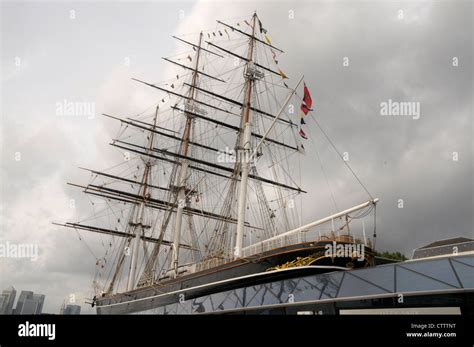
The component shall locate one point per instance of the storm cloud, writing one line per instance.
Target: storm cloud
(354, 55)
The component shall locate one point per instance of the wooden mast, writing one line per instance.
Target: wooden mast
(181, 186)
(137, 223)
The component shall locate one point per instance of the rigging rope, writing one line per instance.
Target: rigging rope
(340, 155)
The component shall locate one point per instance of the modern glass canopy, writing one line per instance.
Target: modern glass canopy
(423, 277)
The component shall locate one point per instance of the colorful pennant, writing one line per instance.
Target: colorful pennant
(305, 108)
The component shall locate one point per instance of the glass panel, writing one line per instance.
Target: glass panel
(205, 304)
(311, 279)
(382, 276)
(439, 269)
(465, 273)
(271, 295)
(170, 309)
(466, 260)
(197, 307)
(306, 290)
(331, 283)
(256, 296)
(160, 310)
(212, 305)
(249, 293)
(218, 298)
(233, 300)
(279, 291)
(290, 285)
(184, 308)
(276, 287)
(353, 286)
(263, 297)
(410, 281)
(237, 297)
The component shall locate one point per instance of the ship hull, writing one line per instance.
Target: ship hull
(238, 273)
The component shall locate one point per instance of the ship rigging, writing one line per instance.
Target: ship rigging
(175, 214)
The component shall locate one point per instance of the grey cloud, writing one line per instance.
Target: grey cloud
(403, 60)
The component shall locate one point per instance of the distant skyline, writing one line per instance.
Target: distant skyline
(359, 58)
(11, 303)
(26, 302)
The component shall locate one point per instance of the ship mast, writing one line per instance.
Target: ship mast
(245, 145)
(181, 186)
(220, 184)
(174, 198)
(137, 223)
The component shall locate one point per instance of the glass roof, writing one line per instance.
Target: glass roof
(451, 273)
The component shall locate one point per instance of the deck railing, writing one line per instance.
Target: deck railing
(333, 228)
(265, 246)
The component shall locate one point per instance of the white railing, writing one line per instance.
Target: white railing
(265, 246)
(297, 234)
(299, 237)
(210, 263)
(321, 230)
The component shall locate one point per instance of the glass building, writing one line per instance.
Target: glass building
(445, 284)
(70, 309)
(24, 295)
(29, 303)
(7, 298)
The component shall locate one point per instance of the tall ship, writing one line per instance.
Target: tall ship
(209, 196)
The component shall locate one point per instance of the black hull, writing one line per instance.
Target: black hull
(231, 275)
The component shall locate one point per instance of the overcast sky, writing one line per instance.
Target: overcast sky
(87, 52)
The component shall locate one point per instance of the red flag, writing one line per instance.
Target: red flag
(305, 109)
(307, 97)
(302, 134)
